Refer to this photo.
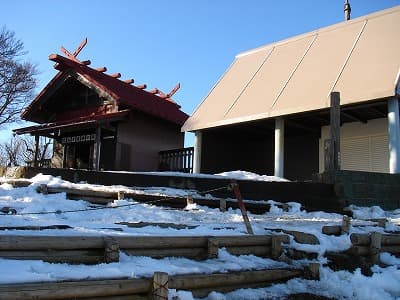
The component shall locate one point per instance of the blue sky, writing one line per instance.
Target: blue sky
(161, 42)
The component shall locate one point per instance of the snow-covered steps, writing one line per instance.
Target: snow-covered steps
(313, 196)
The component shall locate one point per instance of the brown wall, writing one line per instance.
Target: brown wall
(141, 138)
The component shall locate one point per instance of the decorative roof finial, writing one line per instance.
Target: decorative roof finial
(73, 55)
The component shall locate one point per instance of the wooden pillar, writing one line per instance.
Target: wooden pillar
(279, 146)
(35, 158)
(334, 145)
(160, 286)
(197, 152)
(394, 135)
(97, 148)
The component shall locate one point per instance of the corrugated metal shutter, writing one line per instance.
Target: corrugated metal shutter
(355, 154)
(369, 154)
(380, 154)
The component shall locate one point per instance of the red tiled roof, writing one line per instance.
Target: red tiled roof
(124, 93)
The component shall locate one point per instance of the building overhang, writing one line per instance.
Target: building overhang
(49, 129)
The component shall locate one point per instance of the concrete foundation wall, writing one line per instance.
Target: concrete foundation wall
(366, 188)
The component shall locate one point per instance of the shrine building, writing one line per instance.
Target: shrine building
(99, 122)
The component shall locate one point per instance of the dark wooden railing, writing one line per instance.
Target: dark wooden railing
(178, 160)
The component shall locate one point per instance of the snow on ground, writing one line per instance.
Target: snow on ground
(238, 175)
(383, 284)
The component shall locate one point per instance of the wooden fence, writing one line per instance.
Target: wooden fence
(98, 249)
(155, 288)
(371, 245)
(179, 160)
(104, 197)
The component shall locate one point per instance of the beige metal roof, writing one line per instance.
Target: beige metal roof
(358, 58)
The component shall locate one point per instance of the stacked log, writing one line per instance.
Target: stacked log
(97, 249)
(155, 287)
(371, 245)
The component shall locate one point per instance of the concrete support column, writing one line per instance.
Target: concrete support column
(279, 146)
(394, 135)
(197, 152)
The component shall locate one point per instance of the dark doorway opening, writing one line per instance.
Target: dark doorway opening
(79, 156)
(83, 156)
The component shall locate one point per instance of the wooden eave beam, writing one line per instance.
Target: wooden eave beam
(301, 126)
(378, 112)
(351, 116)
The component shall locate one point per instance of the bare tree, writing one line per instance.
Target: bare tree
(16, 77)
(20, 151)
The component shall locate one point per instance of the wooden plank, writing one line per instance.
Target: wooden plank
(276, 247)
(82, 192)
(93, 200)
(201, 285)
(59, 227)
(139, 287)
(120, 297)
(239, 198)
(161, 225)
(74, 289)
(365, 239)
(192, 253)
(57, 256)
(160, 286)
(375, 246)
(263, 251)
(346, 224)
(16, 242)
(111, 250)
(222, 205)
(332, 230)
(105, 197)
(212, 249)
(334, 145)
(312, 271)
(363, 250)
